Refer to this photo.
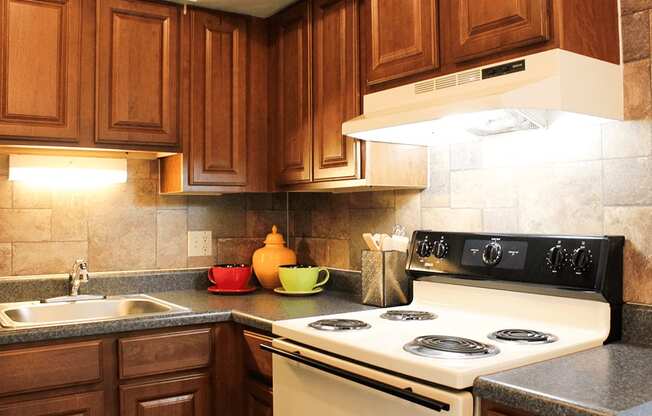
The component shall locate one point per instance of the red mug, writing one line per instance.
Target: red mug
(230, 276)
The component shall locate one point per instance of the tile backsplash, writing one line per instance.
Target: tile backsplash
(126, 226)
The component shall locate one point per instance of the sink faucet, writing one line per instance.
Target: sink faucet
(78, 275)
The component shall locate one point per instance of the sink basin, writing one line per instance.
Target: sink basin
(36, 314)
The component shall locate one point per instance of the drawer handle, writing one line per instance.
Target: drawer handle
(365, 381)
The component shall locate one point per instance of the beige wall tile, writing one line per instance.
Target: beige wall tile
(377, 199)
(5, 259)
(172, 201)
(338, 254)
(259, 201)
(122, 238)
(25, 225)
(32, 196)
(628, 181)
(312, 251)
(330, 223)
(301, 223)
(171, 239)
(6, 193)
(636, 36)
(627, 139)
(466, 155)
(408, 210)
(69, 216)
(500, 220)
(48, 257)
(635, 223)
(237, 250)
(631, 6)
(224, 215)
(480, 188)
(562, 198)
(260, 223)
(637, 90)
(138, 169)
(4, 165)
(446, 219)
(438, 193)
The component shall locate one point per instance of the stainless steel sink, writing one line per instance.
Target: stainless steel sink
(37, 314)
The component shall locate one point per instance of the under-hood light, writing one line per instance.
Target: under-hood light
(67, 172)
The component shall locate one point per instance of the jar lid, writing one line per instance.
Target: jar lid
(274, 237)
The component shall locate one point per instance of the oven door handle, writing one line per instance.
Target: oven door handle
(374, 384)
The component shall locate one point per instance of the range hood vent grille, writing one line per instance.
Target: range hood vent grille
(447, 81)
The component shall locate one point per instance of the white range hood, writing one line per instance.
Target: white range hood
(519, 94)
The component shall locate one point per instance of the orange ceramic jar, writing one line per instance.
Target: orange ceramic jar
(267, 259)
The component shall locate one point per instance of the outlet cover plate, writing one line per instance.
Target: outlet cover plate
(199, 243)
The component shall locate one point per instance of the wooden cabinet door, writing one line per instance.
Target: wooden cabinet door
(259, 399)
(401, 38)
(188, 396)
(336, 88)
(483, 27)
(138, 72)
(291, 115)
(42, 66)
(218, 91)
(82, 404)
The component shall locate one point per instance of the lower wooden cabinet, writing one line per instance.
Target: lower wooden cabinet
(186, 396)
(82, 404)
(494, 409)
(258, 400)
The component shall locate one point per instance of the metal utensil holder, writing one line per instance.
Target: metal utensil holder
(384, 280)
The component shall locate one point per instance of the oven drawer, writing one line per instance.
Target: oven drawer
(308, 382)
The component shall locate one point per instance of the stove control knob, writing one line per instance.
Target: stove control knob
(581, 259)
(440, 249)
(424, 248)
(556, 258)
(492, 254)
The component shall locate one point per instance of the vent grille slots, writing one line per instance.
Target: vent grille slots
(448, 81)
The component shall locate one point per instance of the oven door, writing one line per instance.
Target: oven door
(308, 382)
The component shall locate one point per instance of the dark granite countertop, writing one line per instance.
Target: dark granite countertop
(257, 310)
(612, 380)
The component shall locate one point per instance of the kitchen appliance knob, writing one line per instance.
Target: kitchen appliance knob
(424, 248)
(440, 249)
(582, 259)
(492, 254)
(556, 258)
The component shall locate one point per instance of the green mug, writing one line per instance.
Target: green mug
(301, 278)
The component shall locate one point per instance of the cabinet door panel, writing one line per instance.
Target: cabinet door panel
(186, 396)
(41, 69)
(293, 115)
(490, 26)
(336, 87)
(401, 38)
(259, 400)
(218, 137)
(138, 72)
(83, 404)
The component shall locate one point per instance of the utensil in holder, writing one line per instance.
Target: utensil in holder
(384, 280)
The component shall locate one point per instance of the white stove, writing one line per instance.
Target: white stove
(425, 360)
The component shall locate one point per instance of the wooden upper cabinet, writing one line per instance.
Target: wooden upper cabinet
(218, 92)
(292, 97)
(400, 38)
(42, 66)
(336, 87)
(138, 73)
(484, 27)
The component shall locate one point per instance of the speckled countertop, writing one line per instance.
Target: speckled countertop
(615, 379)
(257, 310)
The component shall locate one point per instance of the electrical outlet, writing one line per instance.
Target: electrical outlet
(199, 243)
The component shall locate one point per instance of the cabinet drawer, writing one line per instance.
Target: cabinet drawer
(257, 360)
(164, 353)
(48, 367)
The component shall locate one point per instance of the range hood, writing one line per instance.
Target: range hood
(520, 94)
